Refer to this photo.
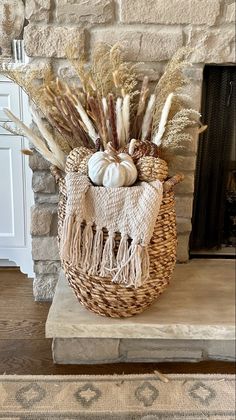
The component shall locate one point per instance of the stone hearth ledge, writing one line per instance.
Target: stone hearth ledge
(198, 305)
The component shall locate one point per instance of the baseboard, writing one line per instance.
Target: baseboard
(7, 263)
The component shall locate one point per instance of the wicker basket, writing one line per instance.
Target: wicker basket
(99, 294)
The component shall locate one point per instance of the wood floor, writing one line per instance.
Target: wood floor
(24, 350)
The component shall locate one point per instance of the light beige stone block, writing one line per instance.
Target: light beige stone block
(47, 267)
(170, 11)
(38, 10)
(221, 350)
(64, 69)
(41, 198)
(52, 41)
(184, 206)
(45, 248)
(41, 219)
(37, 162)
(183, 248)
(142, 45)
(85, 350)
(187, 185)
(195, 73)
(194, 90)
(84, 11)
(153, 350)
(152, 70)
(43, 181)
(212, 45)
(182, 163)
(44, 287)
(183, 225)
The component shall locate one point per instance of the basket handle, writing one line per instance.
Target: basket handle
(171, 182)
(57, 173)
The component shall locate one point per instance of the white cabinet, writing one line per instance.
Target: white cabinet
(16, 196)
(10, 97)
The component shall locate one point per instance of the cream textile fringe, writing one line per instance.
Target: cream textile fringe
(129, 211)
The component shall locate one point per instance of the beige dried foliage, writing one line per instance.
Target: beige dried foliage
(66, 147)
(76, 111)
(108, 72)
(30, 79)
(81, 68)
(34, 81)
(124, 73)
(101, 72)
(172, 80)
(179, 132)
(179, 102)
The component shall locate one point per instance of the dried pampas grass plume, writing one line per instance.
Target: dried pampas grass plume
(36, 140)
(172, 80)
(157, 138)
(180, 132)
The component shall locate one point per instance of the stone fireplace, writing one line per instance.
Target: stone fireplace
(151, 32)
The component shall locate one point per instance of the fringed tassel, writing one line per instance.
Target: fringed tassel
(97, 252)
(87, 245)
(121, 258)
(67, 229)
(108, 256)
(135, 269)
(85, 249)
(75, 248)
(145, 264)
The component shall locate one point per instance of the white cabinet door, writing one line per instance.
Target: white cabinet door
(16, 195)
(10, 97)
(12, 194)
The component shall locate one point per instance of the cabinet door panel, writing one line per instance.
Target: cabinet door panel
(9, 98)
(12, 208)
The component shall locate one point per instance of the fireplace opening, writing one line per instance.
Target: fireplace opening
(214, 207)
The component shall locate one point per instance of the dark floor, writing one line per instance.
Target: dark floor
(24, 350)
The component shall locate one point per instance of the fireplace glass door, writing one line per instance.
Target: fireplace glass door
(214, 213)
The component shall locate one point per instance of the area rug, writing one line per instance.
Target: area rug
(117, 397)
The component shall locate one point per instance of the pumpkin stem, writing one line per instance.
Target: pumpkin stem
(112, 152)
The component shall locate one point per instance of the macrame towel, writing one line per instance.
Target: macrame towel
(130, 211)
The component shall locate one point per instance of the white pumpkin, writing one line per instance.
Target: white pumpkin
(112, 169)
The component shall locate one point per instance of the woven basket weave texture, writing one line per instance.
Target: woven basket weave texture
(99, 294)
